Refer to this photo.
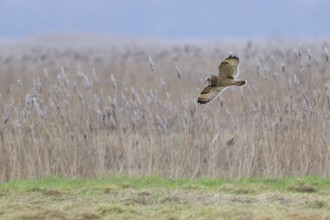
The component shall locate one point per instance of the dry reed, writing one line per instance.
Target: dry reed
(92, 112)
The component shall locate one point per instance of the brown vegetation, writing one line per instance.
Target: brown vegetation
(89, 111)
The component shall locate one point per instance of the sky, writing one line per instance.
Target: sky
(169, 19)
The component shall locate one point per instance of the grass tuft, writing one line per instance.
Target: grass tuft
(303, 188)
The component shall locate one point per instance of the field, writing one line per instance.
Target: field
(157, 198)
(95, 108)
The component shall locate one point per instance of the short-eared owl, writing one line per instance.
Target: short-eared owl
(228, 70)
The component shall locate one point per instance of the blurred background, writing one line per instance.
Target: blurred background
(90, 88)
(167, 19)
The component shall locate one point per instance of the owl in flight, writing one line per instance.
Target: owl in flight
(228, 70)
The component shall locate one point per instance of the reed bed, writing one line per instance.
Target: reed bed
(132, 109)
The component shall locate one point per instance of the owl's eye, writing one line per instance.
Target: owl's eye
(214, 80)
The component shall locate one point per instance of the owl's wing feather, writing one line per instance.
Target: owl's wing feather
(229, 68)
(209, 93)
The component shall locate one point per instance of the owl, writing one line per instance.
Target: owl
(228, 71)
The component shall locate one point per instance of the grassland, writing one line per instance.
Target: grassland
(154, 197)
(106, 117)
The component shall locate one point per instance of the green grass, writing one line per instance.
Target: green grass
(122, 197)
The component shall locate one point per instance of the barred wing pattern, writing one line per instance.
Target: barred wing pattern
(209, 93)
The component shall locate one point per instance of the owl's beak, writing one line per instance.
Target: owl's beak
(208, 80)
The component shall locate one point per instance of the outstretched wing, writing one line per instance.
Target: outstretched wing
(209, 93)
(229, 68)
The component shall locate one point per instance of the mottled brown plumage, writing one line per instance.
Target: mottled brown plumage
(228, 71)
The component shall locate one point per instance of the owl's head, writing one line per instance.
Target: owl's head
(211, 80)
